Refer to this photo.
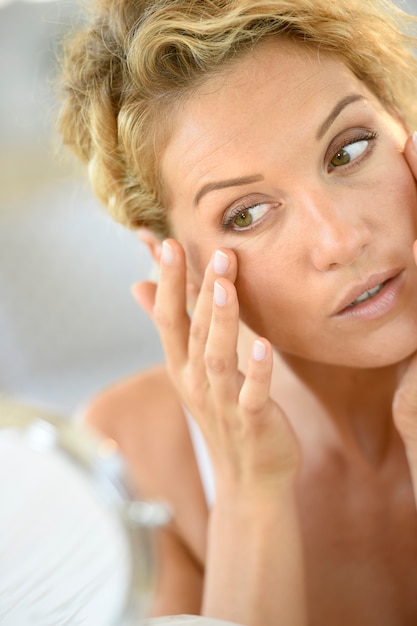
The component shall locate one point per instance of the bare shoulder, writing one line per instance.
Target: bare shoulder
(143, 414)
(132, 402)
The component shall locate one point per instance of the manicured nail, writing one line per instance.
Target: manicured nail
(167, 255)
(220, 262)
(258, 350)
(220, 295)
(415, 140)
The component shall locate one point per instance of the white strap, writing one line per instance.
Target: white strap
(203, 459)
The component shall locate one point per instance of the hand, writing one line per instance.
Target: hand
(405, 416)
(405, 400)
(249, 438)
(410, 153)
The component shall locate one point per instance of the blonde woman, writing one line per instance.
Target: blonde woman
(268, 146)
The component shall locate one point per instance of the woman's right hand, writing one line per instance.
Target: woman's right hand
(250, 441)
(254, 569)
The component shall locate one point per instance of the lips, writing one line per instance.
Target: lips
(368, 295)
(364, 292)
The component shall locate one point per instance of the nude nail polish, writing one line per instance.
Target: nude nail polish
(220, 262)
(258, 350)
(220, 295)
(167, 254)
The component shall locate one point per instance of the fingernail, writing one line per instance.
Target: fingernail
(258, 350)
(415, 140)
(220, 262)
(167, 255)
(220, 295)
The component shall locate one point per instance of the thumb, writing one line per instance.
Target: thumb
(144, 294)
(405, 405)
(410, 153)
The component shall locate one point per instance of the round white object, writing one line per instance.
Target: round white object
(60, 545)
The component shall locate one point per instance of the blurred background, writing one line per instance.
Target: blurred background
(68, 324)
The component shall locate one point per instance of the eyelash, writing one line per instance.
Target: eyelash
(241, 208)
(364, 135)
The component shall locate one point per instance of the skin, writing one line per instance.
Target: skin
(310, 417)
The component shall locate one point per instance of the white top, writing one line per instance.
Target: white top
(202, 455)
(189, 620)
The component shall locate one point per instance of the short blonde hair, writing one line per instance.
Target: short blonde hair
(125, 73)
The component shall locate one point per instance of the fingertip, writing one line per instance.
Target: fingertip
(134, 290)
(223, 263)
(172, 254)
(167, 253)
(219, 294)
(259, 350)
(415, 251)
(410, 146)
(144, 295)
(414, 140)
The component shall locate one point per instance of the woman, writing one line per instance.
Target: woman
(268, 143)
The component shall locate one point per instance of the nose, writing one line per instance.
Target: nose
(336, 230)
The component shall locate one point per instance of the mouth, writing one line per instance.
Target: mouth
(367, 295)
(373, 298)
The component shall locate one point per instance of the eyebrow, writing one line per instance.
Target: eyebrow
(336, 111)
(246, 180)
(223, 184)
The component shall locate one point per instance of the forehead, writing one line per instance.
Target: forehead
(229, 117)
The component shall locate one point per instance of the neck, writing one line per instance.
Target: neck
(351, 408)
(353, 405)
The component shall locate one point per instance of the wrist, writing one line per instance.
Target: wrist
(255, 503)
(262, 489)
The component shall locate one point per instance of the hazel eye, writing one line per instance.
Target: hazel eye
(349, 153)
(245, 217)
(243, 220)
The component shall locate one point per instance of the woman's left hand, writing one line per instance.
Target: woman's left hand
(405, 400)
(405, 416)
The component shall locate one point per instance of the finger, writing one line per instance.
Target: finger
(192, 296)
(410, 153)
(405, 406)
(223, 263)
(220, 356)
(405, 416)
(255, 392)
(144, 293)
(260, 413)
(170, 312)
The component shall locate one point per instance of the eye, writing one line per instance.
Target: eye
(353, 150)
(241, 218)
(349, 153)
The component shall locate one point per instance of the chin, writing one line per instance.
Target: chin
(393, 351)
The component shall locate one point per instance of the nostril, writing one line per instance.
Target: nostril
(341, 249)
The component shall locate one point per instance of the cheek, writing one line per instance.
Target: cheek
(401, 194)
(198, 257)
(266, 292)
(197, 253)
(196, 264)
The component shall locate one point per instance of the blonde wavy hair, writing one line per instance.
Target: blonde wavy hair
(125, 73)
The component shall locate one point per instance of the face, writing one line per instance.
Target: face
(290, 161)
